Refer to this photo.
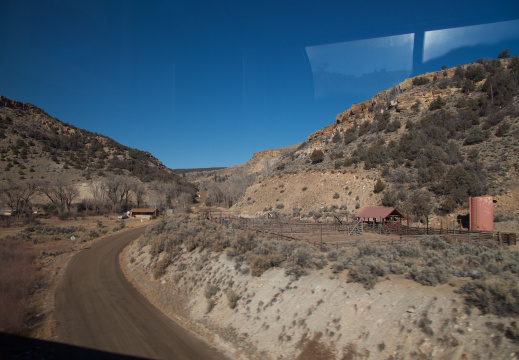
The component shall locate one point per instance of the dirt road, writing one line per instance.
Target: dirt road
(97, 308)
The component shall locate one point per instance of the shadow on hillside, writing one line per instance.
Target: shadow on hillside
(19, 347)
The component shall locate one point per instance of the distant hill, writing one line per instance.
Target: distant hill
(35, 145)
(201, 170)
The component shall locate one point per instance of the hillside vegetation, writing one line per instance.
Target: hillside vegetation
(424, 146)
(271, 299)
(54, 166)
(29, 137)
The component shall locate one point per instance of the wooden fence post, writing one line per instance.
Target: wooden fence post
(321, 236)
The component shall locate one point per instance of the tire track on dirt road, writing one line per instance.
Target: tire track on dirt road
(97, 308)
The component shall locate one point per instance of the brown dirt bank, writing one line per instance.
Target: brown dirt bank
(276, 315)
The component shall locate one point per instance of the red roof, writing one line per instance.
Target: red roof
(378, 212)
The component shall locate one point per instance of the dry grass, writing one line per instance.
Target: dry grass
(159, 268)
(232, 298)
(18, 277)
(36, 253)
(495, 296)
(314, 349)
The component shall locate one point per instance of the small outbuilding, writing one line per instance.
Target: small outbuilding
(144, 213)
(380, 214)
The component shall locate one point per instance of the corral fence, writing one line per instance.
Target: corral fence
(335, 233)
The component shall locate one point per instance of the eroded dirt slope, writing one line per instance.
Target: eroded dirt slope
(276, 315)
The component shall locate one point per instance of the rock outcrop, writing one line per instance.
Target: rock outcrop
(399, 98)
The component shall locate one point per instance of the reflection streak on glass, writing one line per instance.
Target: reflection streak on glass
(439, 43)
(350, 67)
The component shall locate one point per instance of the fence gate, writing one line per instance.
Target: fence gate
(355, 229)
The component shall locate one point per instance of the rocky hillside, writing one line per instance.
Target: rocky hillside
(34, 145)
(430, 143)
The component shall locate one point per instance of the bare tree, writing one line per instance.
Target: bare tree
(17, 196)
(140, 191)
(96, 189)
(163, 195)
(183, 202)
(112, 187)
(127, 187)
(156, 195)
(118, 189)
(227, 192)
(238, 185)
(60, 194)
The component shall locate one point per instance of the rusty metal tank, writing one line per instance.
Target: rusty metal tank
(481, 213)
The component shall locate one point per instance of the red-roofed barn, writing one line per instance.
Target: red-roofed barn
(382, 214)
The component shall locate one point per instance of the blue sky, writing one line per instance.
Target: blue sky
(208, 83)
